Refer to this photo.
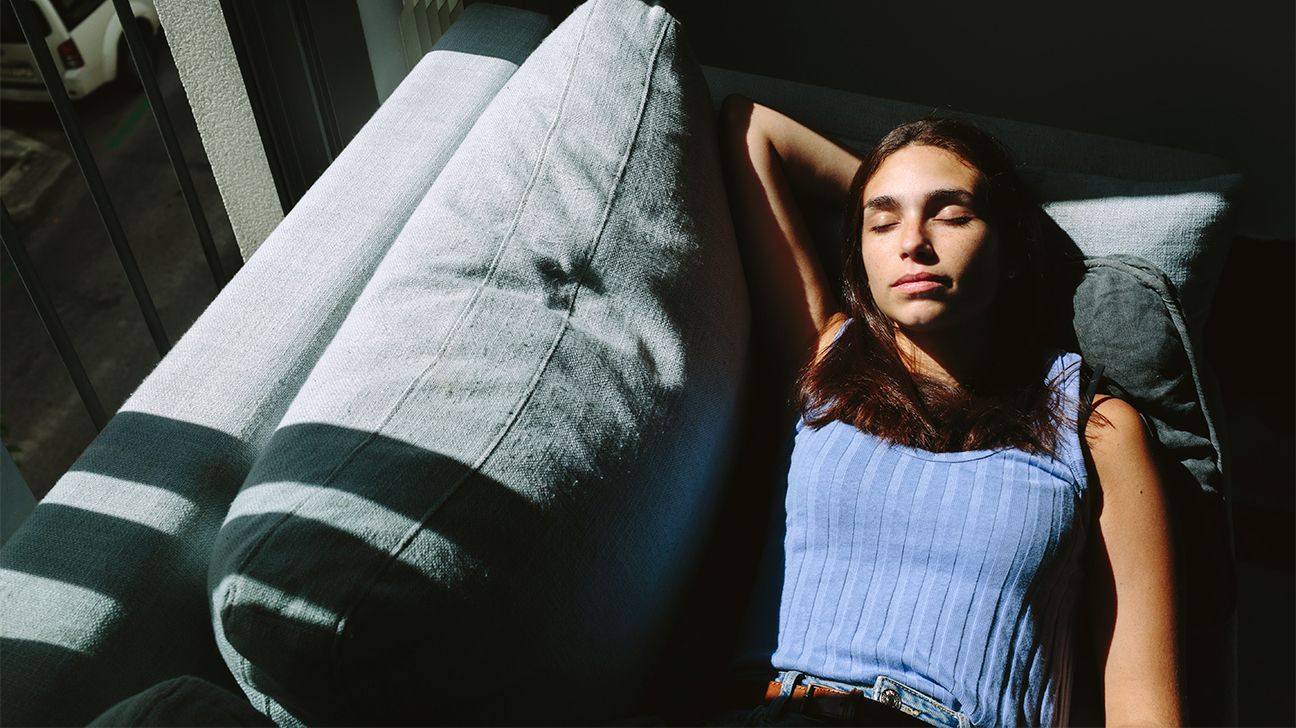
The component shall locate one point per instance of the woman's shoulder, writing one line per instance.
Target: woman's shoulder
(1119, 446)
(1115, 434)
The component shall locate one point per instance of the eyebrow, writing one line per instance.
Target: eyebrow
(948, 196)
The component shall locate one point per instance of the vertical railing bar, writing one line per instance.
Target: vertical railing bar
(247, 39)
(434, 28)
(409, 35)
(252, 24)
(49, 316)
(295, 164)
(148, 77)
(304, 36)
(85, 160)
(420, 22)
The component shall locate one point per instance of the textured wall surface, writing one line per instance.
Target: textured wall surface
(209, 71)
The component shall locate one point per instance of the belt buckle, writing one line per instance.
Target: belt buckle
(822, 701)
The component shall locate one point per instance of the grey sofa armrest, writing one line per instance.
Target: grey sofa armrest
(103, 589)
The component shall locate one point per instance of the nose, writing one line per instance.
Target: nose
(914, 242)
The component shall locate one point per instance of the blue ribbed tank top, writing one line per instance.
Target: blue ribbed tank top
(956, 573)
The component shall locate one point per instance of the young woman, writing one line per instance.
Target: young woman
(956, 518)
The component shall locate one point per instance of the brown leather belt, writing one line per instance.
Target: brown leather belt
(848, 708)
(818, 701)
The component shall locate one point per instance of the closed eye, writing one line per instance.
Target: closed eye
(882, 228)
(965, 219)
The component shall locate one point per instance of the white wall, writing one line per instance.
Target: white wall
(204, 56)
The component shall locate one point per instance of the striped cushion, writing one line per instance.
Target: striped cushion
(504, 461)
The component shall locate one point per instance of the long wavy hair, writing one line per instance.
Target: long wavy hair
(862, 379)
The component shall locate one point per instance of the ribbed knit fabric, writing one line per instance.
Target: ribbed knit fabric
(957, 574)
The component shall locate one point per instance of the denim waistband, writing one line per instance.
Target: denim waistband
(885, 690)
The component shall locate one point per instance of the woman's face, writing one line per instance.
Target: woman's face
(931, 259)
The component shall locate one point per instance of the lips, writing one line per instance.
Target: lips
(921, 280)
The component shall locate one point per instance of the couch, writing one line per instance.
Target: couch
(469, 438)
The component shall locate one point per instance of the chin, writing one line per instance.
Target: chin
(922, 327)
(921, 321)
(947, 321)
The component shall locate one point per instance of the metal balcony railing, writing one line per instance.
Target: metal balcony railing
(30, 21)
(314, 74)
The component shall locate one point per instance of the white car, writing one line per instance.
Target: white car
(84, 38)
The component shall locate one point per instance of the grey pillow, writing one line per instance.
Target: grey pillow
(1182, 228)
(1127, 317)
(483, 502)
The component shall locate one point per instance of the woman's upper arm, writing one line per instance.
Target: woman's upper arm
(769, 161)
(1132, 593)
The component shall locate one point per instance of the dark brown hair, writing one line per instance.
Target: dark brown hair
(862, 380)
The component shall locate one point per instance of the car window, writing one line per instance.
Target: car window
(74, 11)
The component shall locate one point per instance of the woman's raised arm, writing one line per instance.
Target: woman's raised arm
(773, 165)
(1131, 586)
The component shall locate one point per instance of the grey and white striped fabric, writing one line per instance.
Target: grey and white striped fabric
(103, 590)
(485, 499)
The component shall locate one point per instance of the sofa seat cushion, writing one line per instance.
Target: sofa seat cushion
(483, 502)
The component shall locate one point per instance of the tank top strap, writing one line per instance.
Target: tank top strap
(841, 329)
(1064, 376)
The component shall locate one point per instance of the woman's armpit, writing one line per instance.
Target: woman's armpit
(831, 331)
